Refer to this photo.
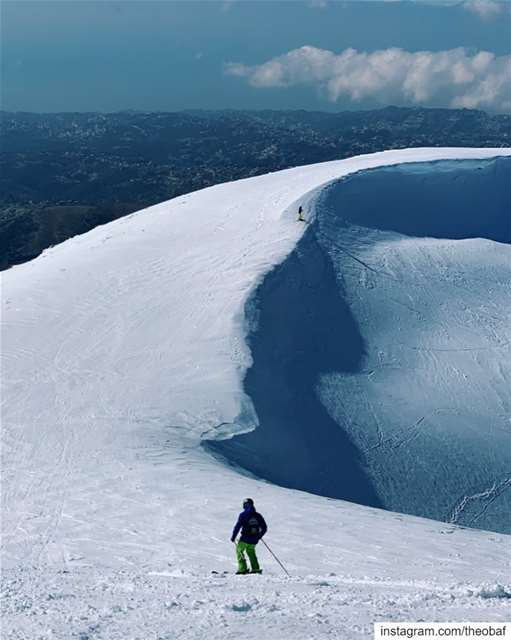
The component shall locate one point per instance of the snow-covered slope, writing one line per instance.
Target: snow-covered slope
(382, 346)
(124, 349)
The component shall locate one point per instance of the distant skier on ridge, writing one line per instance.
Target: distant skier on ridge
(253, 527)
(300, 214)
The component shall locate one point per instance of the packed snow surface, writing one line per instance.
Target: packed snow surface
(126, 348)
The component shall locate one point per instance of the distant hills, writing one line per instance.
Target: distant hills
(64, 173)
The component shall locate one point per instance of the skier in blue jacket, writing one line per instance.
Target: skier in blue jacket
(253, 527)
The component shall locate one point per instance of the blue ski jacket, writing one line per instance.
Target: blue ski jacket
(252, 525)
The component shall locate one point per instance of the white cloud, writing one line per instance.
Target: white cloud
(441, 78)
(227, 4)
(486, 9)
(318, 4)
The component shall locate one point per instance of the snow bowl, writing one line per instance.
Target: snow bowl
(380, 347)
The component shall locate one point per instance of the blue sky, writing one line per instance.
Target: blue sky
(243, 54)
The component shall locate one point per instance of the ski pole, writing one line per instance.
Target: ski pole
(264, 542)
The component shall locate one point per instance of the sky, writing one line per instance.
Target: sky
(104, 55)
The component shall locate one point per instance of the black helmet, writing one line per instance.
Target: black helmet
(248, 502)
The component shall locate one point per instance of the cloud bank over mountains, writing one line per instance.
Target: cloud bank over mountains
(454, 78)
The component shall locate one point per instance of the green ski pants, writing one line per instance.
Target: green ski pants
(249, 549)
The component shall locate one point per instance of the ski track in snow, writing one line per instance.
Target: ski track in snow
(122, 349)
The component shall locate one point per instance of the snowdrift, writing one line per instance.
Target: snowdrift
(381, 346)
